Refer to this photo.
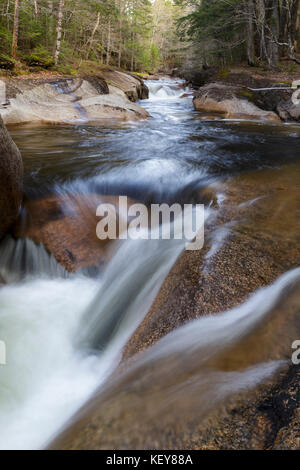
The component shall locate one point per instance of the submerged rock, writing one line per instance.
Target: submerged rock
(11, 180)
(231, 103)
(59, 100)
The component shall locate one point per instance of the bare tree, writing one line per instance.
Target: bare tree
(120, 33)
(261, 20)
(250, 33)
(92, 36)
(59, 31)
(35, 8)
(15, 30)
(287, 34)
(108, 43)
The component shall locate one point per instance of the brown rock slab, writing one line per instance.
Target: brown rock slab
(230, 102)
(134, 412)
(66, 226)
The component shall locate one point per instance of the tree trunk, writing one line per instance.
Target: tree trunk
(15, 30)
(108, 45)
(250, 33)
(262, 31)
(273, 21)
(102, 48)
(35, 8)
(282, 27)
(291, 29)
(132, 53)
(59, 31)
(120, 53)
(92, 36)
(297, 25)
(7, 12)
(120, 35)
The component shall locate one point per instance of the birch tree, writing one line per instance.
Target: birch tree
(59, 31)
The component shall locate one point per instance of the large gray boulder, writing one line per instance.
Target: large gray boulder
(71, 99)
(230, 102)
(11, 178)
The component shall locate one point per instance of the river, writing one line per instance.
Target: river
(65, 332)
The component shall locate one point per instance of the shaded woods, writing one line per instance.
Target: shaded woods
(229, 31)
(145, 35)
(133, 34)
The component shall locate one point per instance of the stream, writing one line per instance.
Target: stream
(65, 332)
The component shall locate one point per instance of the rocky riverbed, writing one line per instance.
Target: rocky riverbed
(106, 96)
(245, 94)
(253, 240)
(201, 360)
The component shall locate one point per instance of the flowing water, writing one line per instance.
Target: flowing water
(65, 332)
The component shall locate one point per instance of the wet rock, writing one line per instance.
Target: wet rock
(288, 437)
(66, 226)
(142, 89)
(252, 241)
(132, 85)
(231, 103)
(98, 83)
(266, 419)
(11, 179)
(258, 247)
(278, 99)
(151, 77)
(66, 100)
(289, 111)
(268, 94)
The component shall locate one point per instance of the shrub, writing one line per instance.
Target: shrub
(39, 57)
(6, 62)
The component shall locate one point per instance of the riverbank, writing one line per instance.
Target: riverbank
(49, 98)
(245, 93)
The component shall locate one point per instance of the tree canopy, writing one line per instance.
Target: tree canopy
(144, 35)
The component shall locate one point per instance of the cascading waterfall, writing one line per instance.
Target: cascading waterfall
(195, 368)
(22, 259)
(165, 89)
(65, 333)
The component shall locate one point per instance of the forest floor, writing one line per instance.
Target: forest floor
(286, 72)
(86, 67)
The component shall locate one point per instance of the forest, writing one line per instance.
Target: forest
(144, 35)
